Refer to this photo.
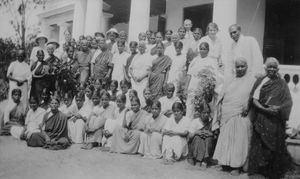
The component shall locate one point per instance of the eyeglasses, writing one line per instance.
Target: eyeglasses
(233, 32)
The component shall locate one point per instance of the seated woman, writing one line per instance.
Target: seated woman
(14, 115)
(201, 138)
(54, 133)
(148, 100)
(34, 118)
(111, 124)
(151, 138)
(77, 120)
(175, 132)
(95, 124)
(272, 103)
(126, 139)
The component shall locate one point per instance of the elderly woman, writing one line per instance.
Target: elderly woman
(151, 138)
(19, 76)
(126, 139)
(14, 115)
(271, 102)
(54, 134)
(234, 139)
(139, 69)
(159, 72)
(41, 40)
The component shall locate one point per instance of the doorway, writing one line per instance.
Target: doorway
(200, 15)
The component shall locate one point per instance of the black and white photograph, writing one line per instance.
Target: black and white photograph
(149, 89)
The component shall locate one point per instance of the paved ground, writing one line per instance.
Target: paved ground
(19, 161)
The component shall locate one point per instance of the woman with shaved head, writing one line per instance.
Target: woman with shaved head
(233, 143)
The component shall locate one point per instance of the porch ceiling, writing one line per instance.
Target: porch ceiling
(121, 9)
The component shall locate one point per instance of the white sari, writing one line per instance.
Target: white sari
(234, 139)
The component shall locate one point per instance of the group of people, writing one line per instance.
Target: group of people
(175, 97)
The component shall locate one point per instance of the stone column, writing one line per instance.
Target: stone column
(94, 17)
(139, 18)
(224, 14)
(63, 27)
(79, 18)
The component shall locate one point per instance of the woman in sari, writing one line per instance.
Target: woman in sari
(102, 66)
(19, 76)
(175, 134)
(126, 139)
(200, 64)
(158, 39)
(158, 75)
(14, 115)
(95, 124)
(139, 70)
(77, 121)
(40, 70)
(151, 138)
(34, 119)
(271, 102)
(117, 121)
(133, 47)
(234, 139)
(54, 133)
(201, 138)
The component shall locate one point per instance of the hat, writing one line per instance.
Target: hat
(41, 36)
(52, 41)
(112, 30)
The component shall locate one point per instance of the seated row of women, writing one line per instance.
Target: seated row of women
(117, 128)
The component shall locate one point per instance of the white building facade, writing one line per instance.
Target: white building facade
(85, 17)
